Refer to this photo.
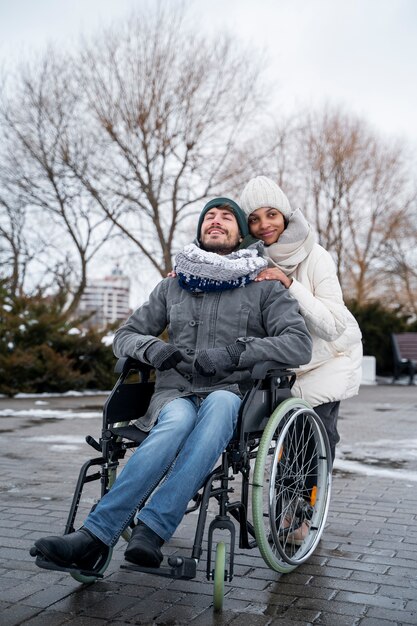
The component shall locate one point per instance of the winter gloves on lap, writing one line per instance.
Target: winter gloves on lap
(163, 356)
(216, 360)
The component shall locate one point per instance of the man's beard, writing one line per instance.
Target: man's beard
(219, 248)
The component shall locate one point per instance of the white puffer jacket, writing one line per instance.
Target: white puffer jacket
(334, 372)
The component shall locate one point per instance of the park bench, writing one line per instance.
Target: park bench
(405, 354)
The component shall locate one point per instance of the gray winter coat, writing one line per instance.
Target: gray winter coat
(261, 315)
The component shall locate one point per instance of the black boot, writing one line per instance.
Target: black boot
(144, 547)
(79, 549)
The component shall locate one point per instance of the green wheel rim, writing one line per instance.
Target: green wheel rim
(219, 575)
(279, 418)
(257, 492)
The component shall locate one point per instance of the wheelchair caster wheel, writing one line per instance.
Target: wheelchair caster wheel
(219, 577)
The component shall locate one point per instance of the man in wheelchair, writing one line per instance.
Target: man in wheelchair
(220, 324)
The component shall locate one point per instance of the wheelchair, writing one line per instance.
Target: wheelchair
(279, 452)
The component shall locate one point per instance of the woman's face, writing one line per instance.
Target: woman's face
(266, 224)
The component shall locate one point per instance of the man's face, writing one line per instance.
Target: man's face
(219, 231)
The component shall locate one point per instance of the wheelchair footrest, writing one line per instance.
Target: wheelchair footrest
(45, 564)
(179, 567)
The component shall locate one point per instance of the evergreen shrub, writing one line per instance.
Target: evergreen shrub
(42, 350)
(377, 322)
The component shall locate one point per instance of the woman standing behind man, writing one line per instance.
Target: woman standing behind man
(309, 273)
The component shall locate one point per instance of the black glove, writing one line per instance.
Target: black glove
(213, 360)
(163, 356)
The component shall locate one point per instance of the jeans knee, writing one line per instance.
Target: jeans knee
(227, 398)
(224, 403)
(178, 415)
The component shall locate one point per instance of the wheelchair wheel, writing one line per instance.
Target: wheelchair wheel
(219, 576)
(291, 485)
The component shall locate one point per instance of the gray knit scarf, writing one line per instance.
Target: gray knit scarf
(199, 270)
(293, 245)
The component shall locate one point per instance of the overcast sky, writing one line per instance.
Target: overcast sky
(361, 54)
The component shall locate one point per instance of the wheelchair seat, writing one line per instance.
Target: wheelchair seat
(131, 432)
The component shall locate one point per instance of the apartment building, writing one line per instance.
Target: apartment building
(106, 299)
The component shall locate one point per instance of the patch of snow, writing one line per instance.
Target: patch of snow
(107, 340)
(355, 467)
(62, 395)
(64, 439)
(50, 414)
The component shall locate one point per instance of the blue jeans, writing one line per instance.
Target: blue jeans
(183, 446)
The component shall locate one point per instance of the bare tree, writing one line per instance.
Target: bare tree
(375, 218)
(271, 152)
(128, 136)
(39, 114)
(356, 188)
(166, 110)
(400, 269)
(14, 250)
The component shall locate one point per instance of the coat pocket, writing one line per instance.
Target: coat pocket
(178, 324)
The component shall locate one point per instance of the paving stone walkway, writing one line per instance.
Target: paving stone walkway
(363, 573)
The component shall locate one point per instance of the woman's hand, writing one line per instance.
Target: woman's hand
(171, 274)
(273, 273)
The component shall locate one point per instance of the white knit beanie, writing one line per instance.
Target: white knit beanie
(261, 192)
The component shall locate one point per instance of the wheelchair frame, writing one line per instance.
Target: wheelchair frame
(268, 423)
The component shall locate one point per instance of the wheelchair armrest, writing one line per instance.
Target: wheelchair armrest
(126, 363)
(269, 368)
